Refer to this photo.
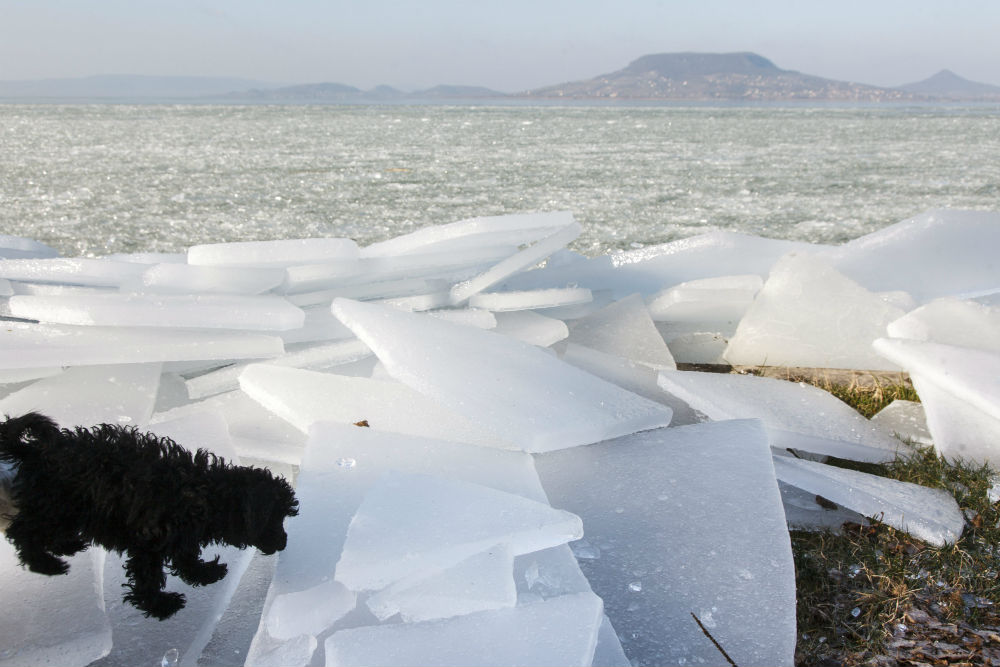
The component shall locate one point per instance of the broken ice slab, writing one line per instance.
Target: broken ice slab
(279, 253)
(137, 637)
(187, 279)
(343, 461)
(952, 322)
(624, 329)
(420, 302)
(319, 325)
(315, 356)
(906, 419)
(17, 247)
(609, 652)
(531, 327)
(52, 620)
(723, 300)
(413, 523)
(482, 581)
(205, 428)
(535, 400)
(304, 397)
(808, 511)
(472, 317)
(694, 347)
(959, 388)
(210, 311)
(89, 395)
(635, 377)
(928, 514)
(524, 259)
(471, 234)
(796, 415)
(450, 265)
(16, 375)
(559, 631)
(807, 314)
(531, 299)
(687, 520)
(6, 289)
(937, 253)
(71, 271)
(310, 611)
(255, 433)
(27, 345)
(654, 268)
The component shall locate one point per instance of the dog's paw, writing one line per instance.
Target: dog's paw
(159, 605)
(46, 564)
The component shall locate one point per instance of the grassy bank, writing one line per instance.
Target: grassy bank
(872, 595)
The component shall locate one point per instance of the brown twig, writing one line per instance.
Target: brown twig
(712, 639)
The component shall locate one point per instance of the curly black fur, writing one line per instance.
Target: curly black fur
(139, 495)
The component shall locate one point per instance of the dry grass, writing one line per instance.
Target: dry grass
(874, 595)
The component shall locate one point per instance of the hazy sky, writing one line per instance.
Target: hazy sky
(508, 45)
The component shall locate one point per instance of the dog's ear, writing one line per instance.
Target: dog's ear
(20, 435)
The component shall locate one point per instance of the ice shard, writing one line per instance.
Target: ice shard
(278, 253)
(807, 314)
(685, 520)
(959, 388)
(624, 329)
(796, 415)
(532, 398)
(413, 523)
(560, 631)
(931, 515)
(951, 322)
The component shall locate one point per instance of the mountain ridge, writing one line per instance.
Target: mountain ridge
(666, 77)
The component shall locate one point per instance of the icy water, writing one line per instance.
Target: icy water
(94, 179)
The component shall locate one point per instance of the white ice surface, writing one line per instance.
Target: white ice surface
(534, 399)
(906, 419)
(479, 232)
(959, 388)
(278, 253)
(524, 259)
(410, 523)
(952, 322)
(71, 271)
(724, 300)
(27, 345)
(304, 397)
(653, 506)
(624, 329)
(931, 515)
(58, 621)
(89, 395)
(529, 299)
(206, 311)
(807, 314)
(189, 279)
(484, 580)
(937, 253)
(531, 327)
(559, 631)
(796, 415)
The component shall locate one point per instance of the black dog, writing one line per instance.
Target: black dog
(139, 495)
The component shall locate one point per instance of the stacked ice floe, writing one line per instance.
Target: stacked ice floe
(496, 457)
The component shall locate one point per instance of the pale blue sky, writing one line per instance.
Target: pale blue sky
(508, 45)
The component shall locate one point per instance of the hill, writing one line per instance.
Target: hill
(715, 76)
(947, 84)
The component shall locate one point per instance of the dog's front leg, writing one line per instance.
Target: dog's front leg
(197, 572)
(145, 583)
(32, 547)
